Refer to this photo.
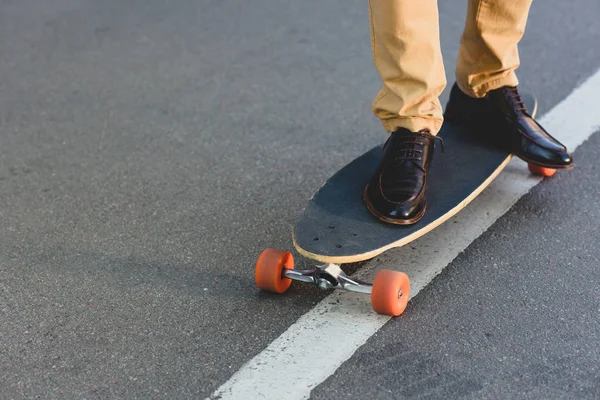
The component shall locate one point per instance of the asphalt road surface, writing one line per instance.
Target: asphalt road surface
(150, 149)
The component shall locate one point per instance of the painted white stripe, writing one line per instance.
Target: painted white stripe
(322, 339)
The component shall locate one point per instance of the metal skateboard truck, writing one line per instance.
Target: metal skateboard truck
(389, 292)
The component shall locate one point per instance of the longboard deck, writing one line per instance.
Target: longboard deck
(336, 226)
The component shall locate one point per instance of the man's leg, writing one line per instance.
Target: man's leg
(486, 83)
(405, 41)
(489, 55)
(406, 52)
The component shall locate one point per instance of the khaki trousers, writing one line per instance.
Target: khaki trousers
(405, 40)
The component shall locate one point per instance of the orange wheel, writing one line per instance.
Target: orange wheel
(391, 291)
(542, 171)
(269, 270)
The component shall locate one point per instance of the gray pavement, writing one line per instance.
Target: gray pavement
(152, 149)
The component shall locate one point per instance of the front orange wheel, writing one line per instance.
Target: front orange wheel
(541, 171)
(269, 272)
(390, 293)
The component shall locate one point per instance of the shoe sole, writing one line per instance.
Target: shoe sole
(539, 164)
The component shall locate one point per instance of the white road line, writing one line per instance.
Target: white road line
(322, 339)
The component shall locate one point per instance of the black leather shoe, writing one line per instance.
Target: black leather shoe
(397, 192)
(527, 139)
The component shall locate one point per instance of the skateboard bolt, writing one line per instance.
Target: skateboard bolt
(400, 294)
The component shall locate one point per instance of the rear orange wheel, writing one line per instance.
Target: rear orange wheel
(390, 293)
(542, 171)
(269, 272)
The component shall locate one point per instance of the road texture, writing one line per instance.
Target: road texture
(151, 149)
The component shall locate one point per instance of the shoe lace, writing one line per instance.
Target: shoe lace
(408, 149)
(517, 102)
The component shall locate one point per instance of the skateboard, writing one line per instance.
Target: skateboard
(337, 228)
